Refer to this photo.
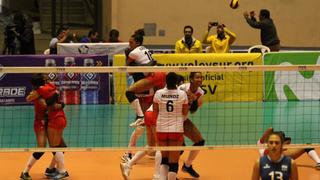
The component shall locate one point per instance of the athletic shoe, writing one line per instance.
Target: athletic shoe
(318, 166)
(51, 172)
(25, 176)
(61, 175)
(138, 122)
(190, 170)
(126, 157)
(125, 170)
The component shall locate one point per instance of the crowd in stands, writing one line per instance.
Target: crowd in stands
(19, 36)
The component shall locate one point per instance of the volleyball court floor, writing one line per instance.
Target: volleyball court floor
(107, 126)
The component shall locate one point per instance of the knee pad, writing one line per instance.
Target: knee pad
(150, 118)
(37, 155)
(307, 150)
(200, 143)
(173, 167)
(165, 161)
(130, 96)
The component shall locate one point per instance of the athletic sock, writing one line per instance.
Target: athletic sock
(137, 156)
(164, 169)
(314, 156)
(157, 163)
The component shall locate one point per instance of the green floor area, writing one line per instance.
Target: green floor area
(220, 123)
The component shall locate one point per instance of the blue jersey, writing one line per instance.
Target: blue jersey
(275, 170)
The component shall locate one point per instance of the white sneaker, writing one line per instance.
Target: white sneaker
(125, 170)
(137, 122)
(126, 157)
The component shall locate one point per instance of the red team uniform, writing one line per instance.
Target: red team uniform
(39, 116)
(56, 117)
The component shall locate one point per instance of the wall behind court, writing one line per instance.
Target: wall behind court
(296, 20)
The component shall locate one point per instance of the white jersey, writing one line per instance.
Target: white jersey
(185, 87)
(140, 55)
(170, 118)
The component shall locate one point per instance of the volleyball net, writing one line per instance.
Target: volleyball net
(240, 103)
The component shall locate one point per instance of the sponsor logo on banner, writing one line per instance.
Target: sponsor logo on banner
(292, 85)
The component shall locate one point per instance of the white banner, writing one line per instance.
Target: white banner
(92, 48)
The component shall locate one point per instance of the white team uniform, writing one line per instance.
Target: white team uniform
(170, 118)
(140, 55)
(186, 86)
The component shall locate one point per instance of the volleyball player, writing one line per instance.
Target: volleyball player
(150, 120)
(171, 106)
(275, 165)
(293, 153)
(56, 121)
(195, 94)
(138, 55)
(40, 119)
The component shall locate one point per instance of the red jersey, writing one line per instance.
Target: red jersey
(47, 90)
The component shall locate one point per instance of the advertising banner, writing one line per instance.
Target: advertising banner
(109, 49)
(292, 85)
(231, 86)
(75, 88)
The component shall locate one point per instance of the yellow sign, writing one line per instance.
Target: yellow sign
(226, 86)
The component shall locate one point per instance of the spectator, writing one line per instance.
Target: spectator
(62, 35)
(19, 36)
(220, 42)
(114, 36)
(268, 33)
(92, 37)
(188, 44)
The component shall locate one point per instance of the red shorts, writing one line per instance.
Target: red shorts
(150, 118)
(57, 120)
(158, 79)
(170, 136)
(39, 125)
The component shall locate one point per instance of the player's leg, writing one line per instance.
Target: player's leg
(162, 140)
(41, 141)
(193, 133)
(295, 153)
(138, 87)
(150, 122)
(137, 132)
(174, 156)
(55, 133)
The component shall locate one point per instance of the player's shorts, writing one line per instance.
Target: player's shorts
(39, 125)
(57, 120)
(161, 136)
(150, 118)
(158, 79)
